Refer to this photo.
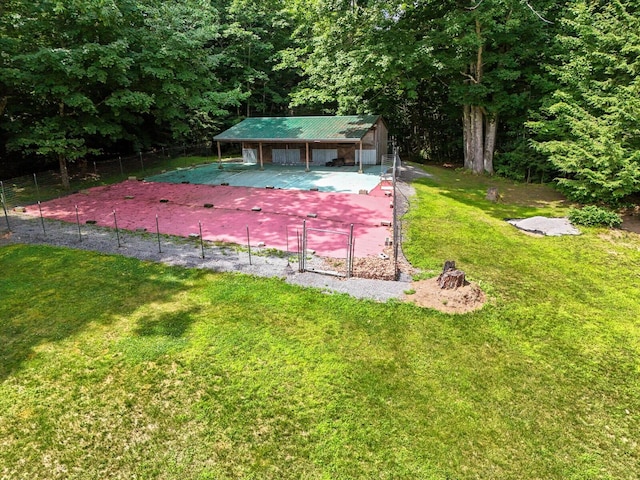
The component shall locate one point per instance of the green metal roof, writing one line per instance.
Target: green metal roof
(351, 128)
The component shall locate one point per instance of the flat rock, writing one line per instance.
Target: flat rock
(553, 227)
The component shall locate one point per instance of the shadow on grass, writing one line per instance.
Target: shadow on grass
(171, 324)
(51, 294)
(516, 200)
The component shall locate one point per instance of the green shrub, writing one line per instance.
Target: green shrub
(592, 216)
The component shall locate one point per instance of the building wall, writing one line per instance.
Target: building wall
(346, 151)
(375, 139)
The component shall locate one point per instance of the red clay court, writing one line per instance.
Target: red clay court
(273, 216)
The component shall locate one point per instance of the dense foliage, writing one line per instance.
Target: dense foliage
(531, 89)
(590, 128)
(594, 216)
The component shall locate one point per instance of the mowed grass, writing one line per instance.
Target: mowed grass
(30, 193)
(115, 368)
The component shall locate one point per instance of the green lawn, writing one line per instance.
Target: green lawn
(115, 368)
(27, 193)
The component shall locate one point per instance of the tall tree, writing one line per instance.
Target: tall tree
(86, 73)
(490, 51)
(420, 59)
(590, 126)
(251, 37)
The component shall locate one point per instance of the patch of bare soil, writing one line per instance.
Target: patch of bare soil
(460, 300)
(631, 220)
(375, 268)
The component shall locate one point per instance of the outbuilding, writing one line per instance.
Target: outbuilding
(310, 141)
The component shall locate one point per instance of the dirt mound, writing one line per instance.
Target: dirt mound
(460, 300)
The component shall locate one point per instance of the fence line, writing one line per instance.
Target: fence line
(29, 189)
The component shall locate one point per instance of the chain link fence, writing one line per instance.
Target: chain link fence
(41, 186)
(32, 189)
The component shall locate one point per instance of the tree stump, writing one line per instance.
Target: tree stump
(451, 277)
(492, 194)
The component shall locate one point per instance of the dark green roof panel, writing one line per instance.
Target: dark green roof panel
(295, 129)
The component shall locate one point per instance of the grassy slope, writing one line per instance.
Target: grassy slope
(111, 368)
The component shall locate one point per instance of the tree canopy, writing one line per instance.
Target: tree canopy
(590, 125)
(527, 88)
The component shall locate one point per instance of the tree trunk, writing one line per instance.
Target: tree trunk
(491, 131)
(478, 139)
(479, 129)
(3, 104)
(64, 173)
(473, 137)
(467, 136)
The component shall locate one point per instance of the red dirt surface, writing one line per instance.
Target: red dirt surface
(281, 214)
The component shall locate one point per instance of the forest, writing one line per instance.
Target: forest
(532, 90)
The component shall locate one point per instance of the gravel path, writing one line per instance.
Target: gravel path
(188, 252)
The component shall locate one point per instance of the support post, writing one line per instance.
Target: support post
(219, 156)
(395, 223)
(360, 167)
(44, 231)
(115, 221)
(307, 156)
(350, 251)
(249, 244)
(304, 246)
(261, 161)
(201, 240)
(158, 233)
(78, 222)
(4, 206)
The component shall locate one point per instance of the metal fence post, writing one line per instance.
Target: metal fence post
(249, 244)
(396, 226)
(78, 222)
(201, 241)
(350, 252)
(158, 232)
(115, 221)
(4, 206)
(304, 245)
(41, 217)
